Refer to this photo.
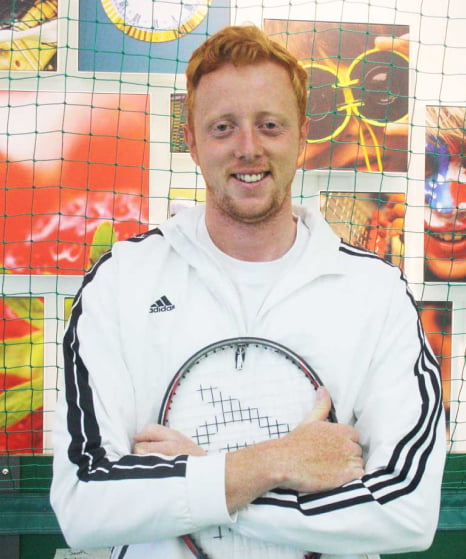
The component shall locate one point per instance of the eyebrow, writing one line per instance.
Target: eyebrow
(282, 116)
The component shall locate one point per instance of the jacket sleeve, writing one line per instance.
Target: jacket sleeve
(399, 415)
(102, 494)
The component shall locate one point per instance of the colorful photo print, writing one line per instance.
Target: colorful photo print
(143, 36)
(178, 118)
(445, 195)
(28, 35)
(182, 198)
(21, 374)
(436, 318)
(67, 306)
(74, 177)
(369, 220)
(359, 92)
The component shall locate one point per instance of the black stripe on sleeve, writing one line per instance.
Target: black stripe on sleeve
(409, 457)
(85, 449)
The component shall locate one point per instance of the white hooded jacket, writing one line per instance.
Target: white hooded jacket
(156, 299)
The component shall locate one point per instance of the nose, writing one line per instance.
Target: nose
(446, 191)
(438, 195)
(248, 146)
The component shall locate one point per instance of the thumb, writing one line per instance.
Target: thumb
(322, 406)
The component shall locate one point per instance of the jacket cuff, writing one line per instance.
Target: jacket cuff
(206, 490)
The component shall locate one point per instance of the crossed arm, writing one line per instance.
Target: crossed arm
(315, 456)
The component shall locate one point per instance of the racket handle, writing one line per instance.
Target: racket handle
(197, 551)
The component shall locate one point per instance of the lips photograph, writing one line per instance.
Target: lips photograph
(445, 195)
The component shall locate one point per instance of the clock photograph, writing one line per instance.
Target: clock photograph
(156, 22)
(141, 36)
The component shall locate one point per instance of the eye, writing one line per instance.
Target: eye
(271, 127)
(221, 129)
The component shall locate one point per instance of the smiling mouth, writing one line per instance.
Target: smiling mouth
(250, 178)
(450, 237)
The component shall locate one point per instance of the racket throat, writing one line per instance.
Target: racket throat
(240, 356)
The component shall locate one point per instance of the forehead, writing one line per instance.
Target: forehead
(264, 86)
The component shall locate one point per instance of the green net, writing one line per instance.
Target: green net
(92, 105)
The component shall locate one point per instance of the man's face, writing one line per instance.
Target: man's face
(246, 137)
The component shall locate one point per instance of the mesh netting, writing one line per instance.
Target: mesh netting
(92, 105)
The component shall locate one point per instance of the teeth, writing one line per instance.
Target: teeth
(251, 178)
(450, 237)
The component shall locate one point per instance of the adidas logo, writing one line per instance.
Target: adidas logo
(161, 305)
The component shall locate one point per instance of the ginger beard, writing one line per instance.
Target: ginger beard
(249, 208)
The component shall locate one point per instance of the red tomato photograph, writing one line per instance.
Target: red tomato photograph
(74, 174)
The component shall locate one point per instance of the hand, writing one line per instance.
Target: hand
(315, 456)
(158, 439)
(318, 455)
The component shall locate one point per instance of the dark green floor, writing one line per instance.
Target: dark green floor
(447, 545)
(25, 512)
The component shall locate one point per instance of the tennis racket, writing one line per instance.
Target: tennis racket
(231, 394)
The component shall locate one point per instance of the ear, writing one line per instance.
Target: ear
(303, 134)
(190, 140)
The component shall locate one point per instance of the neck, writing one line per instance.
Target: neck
(253, 242)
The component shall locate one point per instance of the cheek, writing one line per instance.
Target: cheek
(458, 192)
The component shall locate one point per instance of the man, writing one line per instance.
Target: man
(248, 263)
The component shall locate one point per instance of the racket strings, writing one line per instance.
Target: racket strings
(231, 395)
(231, 411)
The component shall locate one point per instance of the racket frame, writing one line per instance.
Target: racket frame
(237, 342)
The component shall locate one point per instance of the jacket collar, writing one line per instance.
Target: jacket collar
(322, 256)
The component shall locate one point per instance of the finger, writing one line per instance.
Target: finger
(353, 435)
(357, 450)
(400, 44)
(153, 432)
(397, 129)
(144, 448)
(322, 406)
(384, 42)
(168, 448)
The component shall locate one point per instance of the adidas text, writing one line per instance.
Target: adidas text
(162, 305)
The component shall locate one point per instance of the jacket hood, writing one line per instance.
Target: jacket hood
(321, 257)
